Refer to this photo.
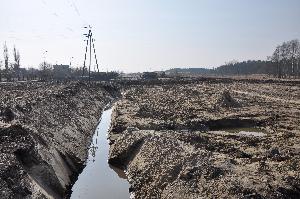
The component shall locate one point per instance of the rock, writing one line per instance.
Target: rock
(274, 152)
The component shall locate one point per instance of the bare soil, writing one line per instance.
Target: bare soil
(178, 139)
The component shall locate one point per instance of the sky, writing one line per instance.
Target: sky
(147, 35)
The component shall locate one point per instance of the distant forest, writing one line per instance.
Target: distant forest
(283, 63)
(246, 68)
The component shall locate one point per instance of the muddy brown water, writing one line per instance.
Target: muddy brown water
(99, 179)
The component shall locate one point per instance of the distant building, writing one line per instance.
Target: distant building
(61, 71)
(130, 76)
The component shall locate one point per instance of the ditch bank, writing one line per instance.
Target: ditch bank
(45, 132)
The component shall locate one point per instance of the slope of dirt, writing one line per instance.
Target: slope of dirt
(45, 131)
(191, 140)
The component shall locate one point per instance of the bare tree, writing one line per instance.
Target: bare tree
(284, 54)
(294, 56)
(298, 61)
(276, 59)
(6, 57)
(16, 66)
(286, 58)
(46, 71)
(5, 53)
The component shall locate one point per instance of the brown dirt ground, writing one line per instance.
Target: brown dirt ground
(174, 139)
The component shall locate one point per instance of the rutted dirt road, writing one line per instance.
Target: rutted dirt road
(195, 140)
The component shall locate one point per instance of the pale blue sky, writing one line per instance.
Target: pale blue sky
(143, 35)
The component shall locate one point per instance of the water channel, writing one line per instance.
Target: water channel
(99, 179)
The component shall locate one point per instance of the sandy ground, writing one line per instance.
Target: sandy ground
(192, 140)
(45, 131)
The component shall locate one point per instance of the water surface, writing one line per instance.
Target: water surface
(99, 179)
(254, 131)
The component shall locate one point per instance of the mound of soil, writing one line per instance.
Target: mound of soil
(227, 101)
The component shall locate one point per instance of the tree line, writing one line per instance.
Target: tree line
(12, 70)
(283, 63)
(245, 68)
(286, 59)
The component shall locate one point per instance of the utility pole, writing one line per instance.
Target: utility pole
(44, 75)
(71, 61)
(89, 43)
(90, 34)
(0, 71)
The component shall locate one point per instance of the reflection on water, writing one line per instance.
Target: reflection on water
(99, 179)
(92, 151)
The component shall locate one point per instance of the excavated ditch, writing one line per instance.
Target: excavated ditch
(45, 130)
(99, 179)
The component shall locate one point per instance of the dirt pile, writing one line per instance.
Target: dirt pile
(45, 130)
(226, 100)
(174, 143)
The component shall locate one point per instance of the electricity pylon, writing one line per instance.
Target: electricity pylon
(89, 44)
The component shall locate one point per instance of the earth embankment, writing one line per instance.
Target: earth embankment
(45, 131)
